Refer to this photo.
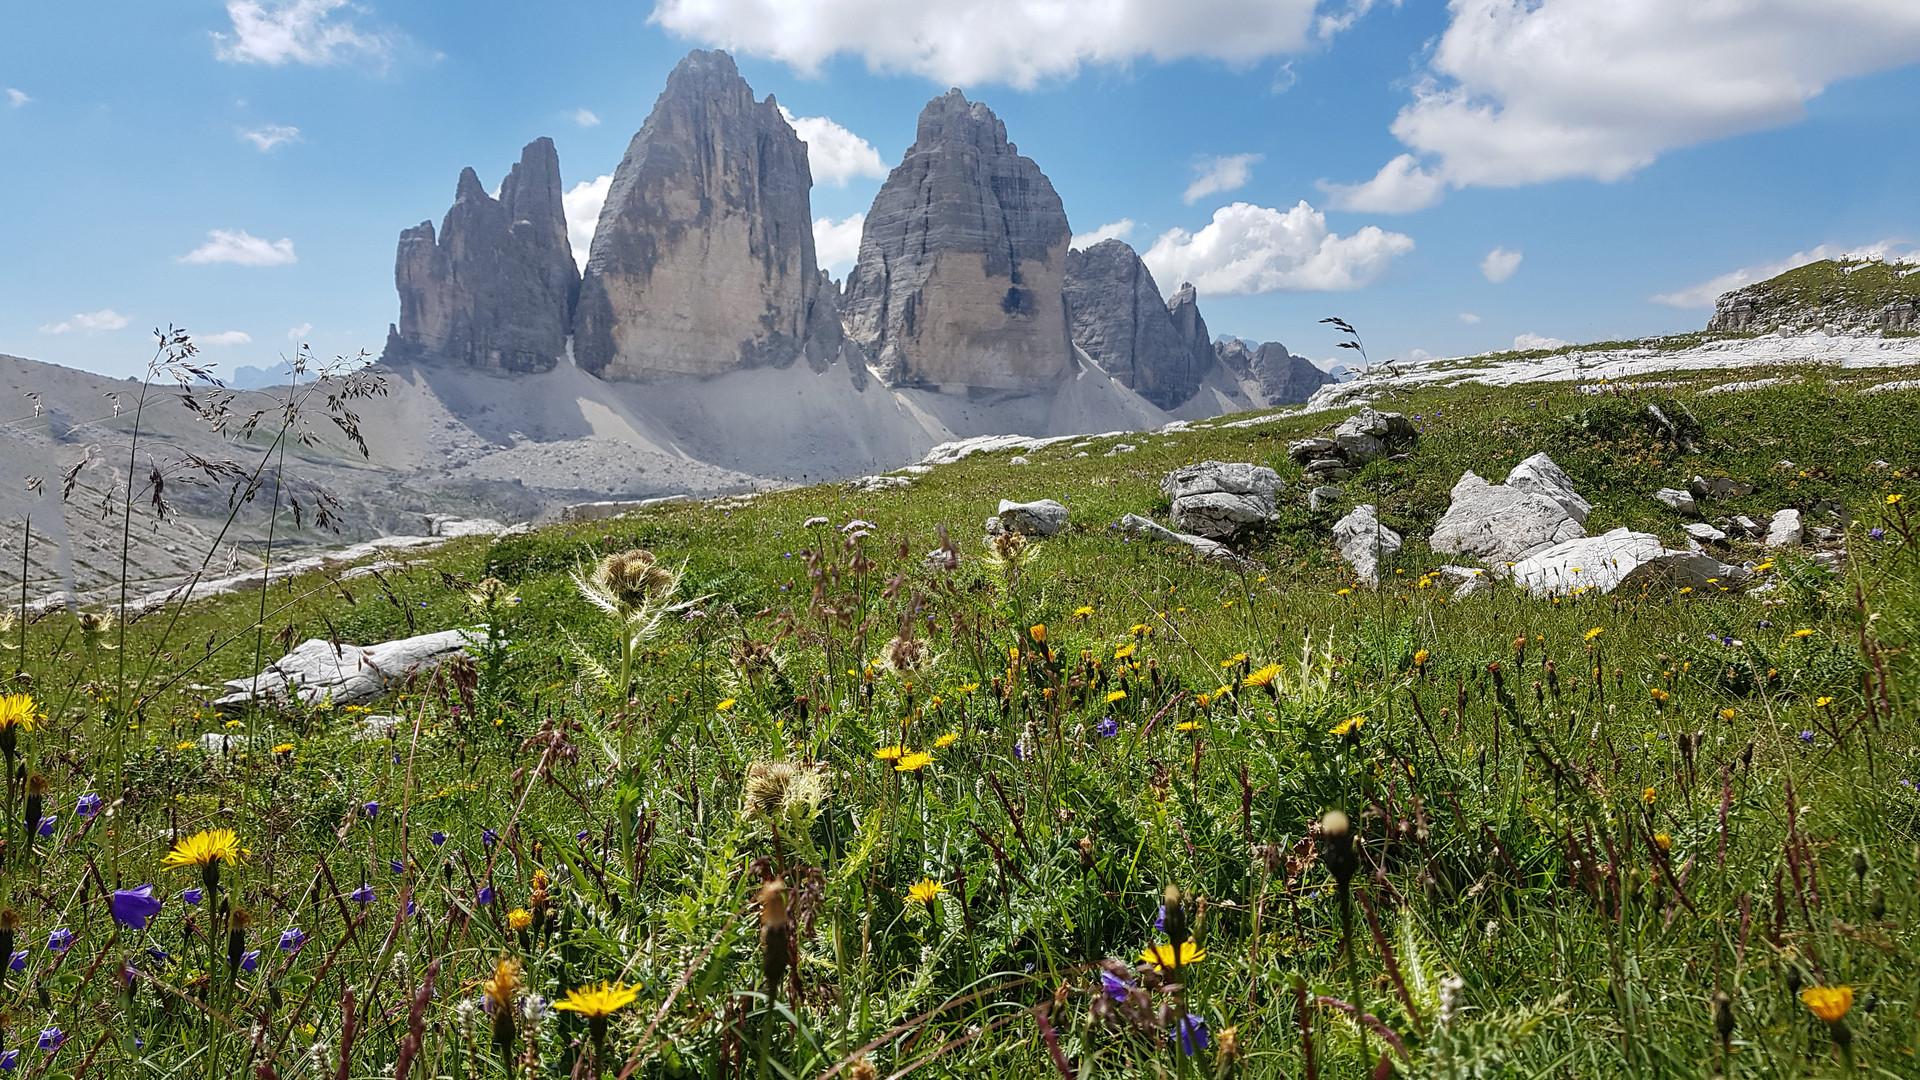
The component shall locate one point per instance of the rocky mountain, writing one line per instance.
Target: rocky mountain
(962, 261)
(1117, 317)
(495, 289)
(1270, 374)
(1844, 295)
(703, 260)
(1183, 309)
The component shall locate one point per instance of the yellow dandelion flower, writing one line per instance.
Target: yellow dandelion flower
(1649, 796)
(890, 753)
(1829, 1003)
(213, 845)
(926, 891)
(500, 989)
(283, 748)
(1803, 633)
(1822, 702)
(1659, 695)
(519, 918)
(1762, 568)
(1728, 714)
(1187, 725)
(1202, 700)
(1124, 651)
(17, 711)
(1140, 629)
(1083, 612)
(946, 740)
(1343, 592)
(1348, 726)
(187, 745)
(1262, 677)
(1166, 956)
(1663, 841)
(725, 706)
(598, 1001)
(1116, 695)
(913, 762)
(1894, 499)
(1038, 631)
(1595, 632)
(1420, 657)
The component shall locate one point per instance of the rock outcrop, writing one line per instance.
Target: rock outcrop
(1183, 309)
(1043, 517)
(1272, 373)
(1117, 316)
(962, 260)
(1619, 559)
(1501, 524)
(703, 260)
(1363, 541)
(319, 671)
(496, 288)
(1216, 499)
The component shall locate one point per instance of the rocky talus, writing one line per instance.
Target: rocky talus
(959, 280)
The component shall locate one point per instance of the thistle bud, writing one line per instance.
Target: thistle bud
(237, 923)
(1174, 919)
(1860, 865)
(1086, 852)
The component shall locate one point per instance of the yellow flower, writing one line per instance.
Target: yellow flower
(187, 745)
(1039, 632)
(926, 891)
(947, 740)
(1802, 633)
(597, 1001)
(283, 748)
(1083, 612)
(1596, 632)
(1238, 658)
(1116, 695)
(914, 762)
(724, 706)
(17, 710)
(1685, 589)
(1822, 702)
(1353, 724)
(1165, 956)
(1343, 592)
(1187, 725)
(1123, 652)
(1763, 567)
(1140, 629)
(1663, 841)
(1829, 1003)
(1892, 500)
(506, 979)
(1420, 658)
(1659, 695)
(1648, 796)
(1202, 700)
(1727, 714)
(519, 918)
(1264, 676)
(213, 845)
(890, 753)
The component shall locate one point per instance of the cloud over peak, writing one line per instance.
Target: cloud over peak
(1215, 175)
(1249, 249)
(241, 248)
(835, 154)
(297, 32)
(1112, 230)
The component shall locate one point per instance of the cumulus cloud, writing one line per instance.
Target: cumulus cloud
(584, 117)
(298, 332)
(1401, 187)
(225, 337)
(968, 42)
(1529, 91)
(1535, 341)
(296, 32)
(241, 248)
(835, 154)
(1215, 175)
(17, 98)
(582, 208)
(1469, 318)
(836, 244)
(91, 323)
(1250, 249)
(1112, 230)
(1499, 264)
(268, 136)
(1706, 292)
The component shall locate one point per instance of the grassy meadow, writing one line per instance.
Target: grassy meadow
(830, 787)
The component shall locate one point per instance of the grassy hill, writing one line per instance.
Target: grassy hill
(1577, 821)
(1844, 294)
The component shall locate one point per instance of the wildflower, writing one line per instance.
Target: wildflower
(1663, 841)
(60, 940)
(17, 711)
(396, 866)
(946, 740)
(1350, 726)
(1263, 677)
(250, 960)
(372, 809)
(133, 907)
(519, 918)
(1038, 631)
(1894, 499)
(204, 849)
(1829, 1003)
(10, 1060)
(1124, 651)
(1808, 737)
(1083, 612)
(283, 748)
(1822, 702)
(46, 826)
(1659, 696)
(17, 961)
(724, 706)
(1108, 728)
(1802, 633)
(1187, 725)
(1116, 695)
(291, 939)
(1595, 632)
(598, 1002)
(500, 991)
(926, 891)
(1140, 629)
(913, 762)
(1343, 592)
(87, 805)
(52, 1039)
(1193, 1034)
(1728, 714)
(362, 895)
(1115, 987)
(489, 837)
(1167, 957)
(1420, 658)
(890, 753)
(1876, 533)
(438, 838)
(1648, 796)
(484, 896)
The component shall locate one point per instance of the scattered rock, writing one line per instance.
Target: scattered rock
(1745, 527)
(1538, 474)
(1499, 524)
(1216, 499)
(317, 671)
(1466, 580)
(601, 511)
(1305, 450)
(373, 727)
(450, 528)
(1620, 558)
(1676, 499)
(1210, 550)
(1019, 459)
(1044, 517)
(1718, 487)
(1327, 469)
(1363, 541)
(883, 483)
(1785, 529)
(1903, 384)
(1705, 533)
(1324, 496)
(1121, 448)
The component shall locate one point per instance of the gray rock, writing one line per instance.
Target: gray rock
(1363, 542)
(1705, 533)
(1212, 551)
(319, 671)
(1466, 580)
(1183, 310)
(703, 260)
(1718, 487)
(1619, 559)
(1539, 475)
(371, 727)
(1499, 524)
(1277, 376)
(1121, 448)
(496, 289)
(1746, 527)
(962, 262)
(865, 484)
(1324, 496)
(1044, 517)
(1021, 459)
(1388, 427)
(1675, 499)
(1117, 316)
(1330, 468)
(1305, 450)
(1235, 477)
(1217, 499)
(1785, 529)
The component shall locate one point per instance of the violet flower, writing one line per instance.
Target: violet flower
(291, 939)
(60, 940)
(193, 896)
(51, 1039)
(46, 826)
(1193, 1034)
(438, 838)
(133, 907)
(362, 895)
(250, 960)
(88, 805)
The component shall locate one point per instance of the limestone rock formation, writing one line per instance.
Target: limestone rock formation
(962, 260)
(703, 259)
(496, 288)
(1277, 376)
(1619, 559)
(1363, 541)
(1117, 316)
(1501, 524)
(1183, 309)
(1216, 499)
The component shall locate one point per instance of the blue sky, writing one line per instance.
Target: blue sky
(243, 168)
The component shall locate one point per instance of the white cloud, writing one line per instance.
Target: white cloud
(91, 323)
(17, 98)
(1499, 264)
(225, 337)
(584, 117)
(968, 42)
(268, 136)
(298, 332)
(296, 31)
(835, 154)
(1535, 341)
(1400, 187)
(1112, 230)
(241, 248)
(1215, 175)
(1254, 249)
(1530, 91)
(1706, 292)
(582, 207)
(836, 244)
(1469, 318)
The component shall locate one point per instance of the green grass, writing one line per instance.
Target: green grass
(1512, 805)
(1840, 292)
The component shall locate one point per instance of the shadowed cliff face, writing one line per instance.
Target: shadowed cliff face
(1117, 316)
(703, 260)
(1270, 372)
(961, 262)
(496, 289)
